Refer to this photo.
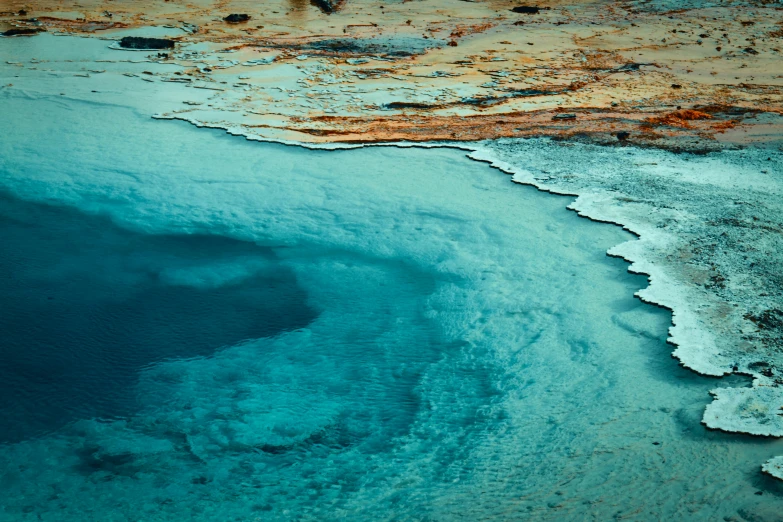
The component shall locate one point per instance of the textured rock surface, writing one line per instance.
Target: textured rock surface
(683, 76)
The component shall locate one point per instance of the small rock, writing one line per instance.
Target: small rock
(750, 50)
(623, 135)
(236, 18)
(328, 6)
(138, 42)
(525, 9)
(676, 86)
(564, 116)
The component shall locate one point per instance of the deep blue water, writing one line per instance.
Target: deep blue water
(87, 304)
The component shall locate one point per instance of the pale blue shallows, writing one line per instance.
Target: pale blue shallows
(211, 329)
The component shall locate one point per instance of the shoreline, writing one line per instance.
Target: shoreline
(702, 283)
(695, 344)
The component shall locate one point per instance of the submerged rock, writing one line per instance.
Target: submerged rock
(139, 42)
(235, 18)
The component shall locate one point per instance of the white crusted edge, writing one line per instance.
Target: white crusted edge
(696, 346)
(774, 467)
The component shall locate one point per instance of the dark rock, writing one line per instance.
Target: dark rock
(328, 6)
(750, 50)
(237, 18)
(396, 47)
(22, 12)
(676, 86)
(623, 135)
(408, 105)
(22, 31)
(138, 42)
(633, 66)
(564, 116)
(524, 9)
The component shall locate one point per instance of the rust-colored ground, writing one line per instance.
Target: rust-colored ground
(430, 70)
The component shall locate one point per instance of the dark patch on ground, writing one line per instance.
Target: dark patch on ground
(767, 320)
(494, 100)
(25, 31)
(235, 18)
(328, 6)
(527, 9)
(409, 105)
(386, 47)
(138, 42)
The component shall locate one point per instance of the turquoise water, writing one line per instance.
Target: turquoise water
(215, 329)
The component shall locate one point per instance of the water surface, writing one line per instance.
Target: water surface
(246, 331)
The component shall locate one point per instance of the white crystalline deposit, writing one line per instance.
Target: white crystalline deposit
(774, 467)
(756, 411)
(709, 240)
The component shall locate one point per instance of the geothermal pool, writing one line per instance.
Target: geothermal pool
(198, 327)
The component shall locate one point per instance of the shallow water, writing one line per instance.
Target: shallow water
(245, 331)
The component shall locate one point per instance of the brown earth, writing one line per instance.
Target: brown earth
(429, 70)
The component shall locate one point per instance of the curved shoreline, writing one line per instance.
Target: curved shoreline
(695, 345)
(695, 281)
